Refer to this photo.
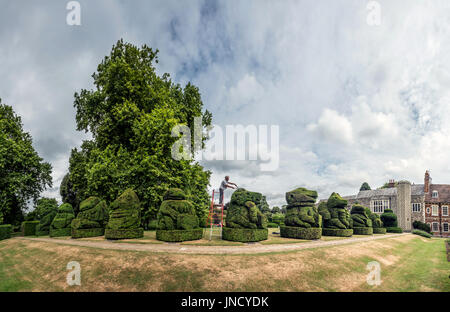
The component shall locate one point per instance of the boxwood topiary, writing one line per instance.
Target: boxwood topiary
(5, 231)
(244, 235)
(422, 226)
(335, 216)
(362, 224)
(389, 218)
(125, 217)
(60, 225)
(29, 228)
(302, 217)
(362, 230)
(394, 229)
(380, 230)
(46, 215)
(337, 232)
(91, 220)
(176, 215)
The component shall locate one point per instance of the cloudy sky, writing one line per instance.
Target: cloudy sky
(354, 101)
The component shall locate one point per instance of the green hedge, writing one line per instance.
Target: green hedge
(29, 228)
(299, 232)
(124, 233)
(337, 232)
(5, 231)
(422, 233)
(362, 230)
(42, 233)
(244, 235)
(394, 230)
(179, 235)
(419, 225)
(81, 233)
(272, 225)
(379, 230)
(60, 232)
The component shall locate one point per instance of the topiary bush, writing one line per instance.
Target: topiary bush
(422, 226)
(394, 230)
(91, 219)
(389, 220)
(302, 213)
(335, 216)
(125, 217)
(243, 213)
(5, 231)
(176, 215)
(362, 224)
(46, 209)
(29, 228)
(272, 225)
(60, 225)
(278, 218)
(422, 233)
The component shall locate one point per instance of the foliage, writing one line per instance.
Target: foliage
(68, 193)
(360, 217)
(278, 218)
(46, 210)
(29, 228)
(365, 187)
(422, 233)
(394, 229)
(179, 235)
(92, 218)
(301, 210)
(276, 209)
(362, 230)
(334, 213)
(5, 231)
(61, 224)
(131, 114)
(244, 235)
(422, 226)
(389, 219)
(272, 225)
(243, 212)
(300, 232)
(337, 232)
(23, 174)
(379, 230)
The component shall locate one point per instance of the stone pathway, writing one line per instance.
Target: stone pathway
(191, 249)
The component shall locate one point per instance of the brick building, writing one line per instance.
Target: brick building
(426, 202)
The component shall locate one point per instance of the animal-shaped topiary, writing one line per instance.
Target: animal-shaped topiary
(125, 217)
(177, 219)
(361, 221)
(302, 217)
(336, 217)
(244, 221)
(91, 219)
(61, 223)
(47, 210)
(377, 224)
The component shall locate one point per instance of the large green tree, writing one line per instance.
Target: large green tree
(68, 193)
(23, 174)
(131, 113)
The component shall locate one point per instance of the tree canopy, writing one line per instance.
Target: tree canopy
(365, 187)
(131, 113)
(23, 174)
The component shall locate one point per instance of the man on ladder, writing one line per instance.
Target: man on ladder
(224, 185)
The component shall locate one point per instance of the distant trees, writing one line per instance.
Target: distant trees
(23, 174)
(365, 187)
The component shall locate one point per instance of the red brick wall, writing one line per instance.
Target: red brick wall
(440, 219)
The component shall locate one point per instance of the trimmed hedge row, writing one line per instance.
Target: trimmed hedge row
(362, 230)
(422, 233)
(394, 230)
(124, 233)
(244, 235)
(379, 230)
(42, 232)
(60, 232)
(299, 232)
(29, 228)
(179, 235)
(337, 232)
(5, 231)
(272, 225)
(82, 233)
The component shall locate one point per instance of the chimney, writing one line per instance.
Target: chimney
(427, 183)
(391, 183)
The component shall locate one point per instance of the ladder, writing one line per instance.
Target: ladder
(215, 217)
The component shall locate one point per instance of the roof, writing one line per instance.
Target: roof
(392, 191)
(417, 189)
(443, 193)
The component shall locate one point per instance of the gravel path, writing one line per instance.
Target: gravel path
(191, 249)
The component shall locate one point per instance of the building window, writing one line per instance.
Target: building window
(435, 210)
(416, 207)
(378, 206)
(445, 211)
(435, 227)
(445, 227)
(435, 194)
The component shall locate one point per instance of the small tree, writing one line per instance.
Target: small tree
(365, 187)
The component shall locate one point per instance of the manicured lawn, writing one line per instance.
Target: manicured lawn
(408, 263)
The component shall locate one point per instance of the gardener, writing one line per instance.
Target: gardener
(225, 184)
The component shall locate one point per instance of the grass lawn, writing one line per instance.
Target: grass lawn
(408, 263)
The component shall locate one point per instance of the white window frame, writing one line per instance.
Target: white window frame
(414, 207)
(446, 208)
(379, 205)
(432, 227)
(435, 194)
(443, 227)
(432, 210)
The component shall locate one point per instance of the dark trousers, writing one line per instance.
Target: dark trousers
(220, 196)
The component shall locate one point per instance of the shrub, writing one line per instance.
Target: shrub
(153, 225)
(175, 215)
(379, 230)
(46, 211)
(422, 226)
(5, 231)
(394, 229)
(360, 217)
(244, 214)
(337, 232)
(335, 214)
(299, 232)
(389, 219)
(92, 218)
(244, 235)
(422, 233)
(362, 230)
(60, 225)
(125, 217)
(29, 228)
(272, 225)
(278, 218)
